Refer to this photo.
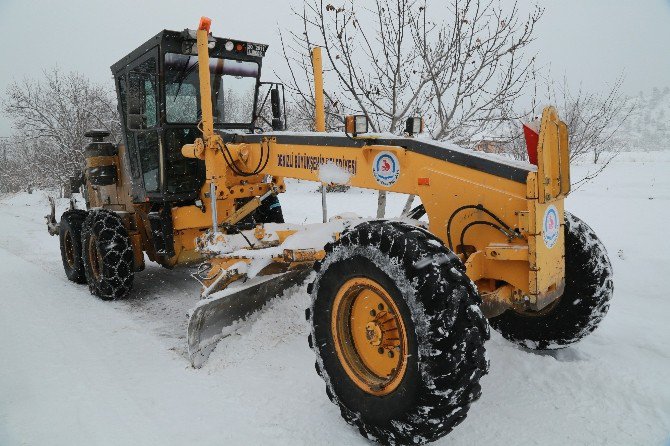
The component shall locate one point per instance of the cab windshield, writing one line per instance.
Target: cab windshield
(233, 84)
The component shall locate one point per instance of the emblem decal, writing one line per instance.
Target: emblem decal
(386, 168)
(550, 226)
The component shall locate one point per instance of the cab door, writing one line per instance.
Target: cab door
(143, 123)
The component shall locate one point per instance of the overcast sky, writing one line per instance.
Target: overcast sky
(591, 41)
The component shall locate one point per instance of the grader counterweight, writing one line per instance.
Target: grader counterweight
(399, 306)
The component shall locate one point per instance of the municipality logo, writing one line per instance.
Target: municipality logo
(550, 226)
(386, 168)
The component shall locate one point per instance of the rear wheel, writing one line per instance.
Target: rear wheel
(398, 333)
(107, 255)
(70, 244)
(585, 301)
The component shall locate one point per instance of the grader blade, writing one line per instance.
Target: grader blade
(208, 320)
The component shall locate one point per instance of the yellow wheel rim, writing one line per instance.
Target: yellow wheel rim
(370, 336)
(94, 257)
(69, 249)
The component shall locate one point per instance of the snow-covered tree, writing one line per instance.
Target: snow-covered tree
(50, 116)
(595, 120)
(394, 59)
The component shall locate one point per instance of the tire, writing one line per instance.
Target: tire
(107, 255)
(70, 244)
(269, 211)
(439, 313)
(583, 305)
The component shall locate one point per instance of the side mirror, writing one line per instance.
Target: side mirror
(277, 122)
(135, 102)
(135, 116)
(136, 121)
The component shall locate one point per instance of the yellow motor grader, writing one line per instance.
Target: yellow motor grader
(400, 307)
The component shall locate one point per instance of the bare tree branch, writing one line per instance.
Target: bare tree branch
(391, 61)
(50, 117)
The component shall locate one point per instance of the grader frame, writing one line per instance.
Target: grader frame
(502, 218)
(512, 268)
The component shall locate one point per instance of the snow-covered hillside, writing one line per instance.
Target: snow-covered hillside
(648, 128)
(75, 370)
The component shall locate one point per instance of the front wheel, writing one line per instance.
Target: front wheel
(398, 333)
(583, 305)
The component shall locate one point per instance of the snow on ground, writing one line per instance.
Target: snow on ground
(75, 370)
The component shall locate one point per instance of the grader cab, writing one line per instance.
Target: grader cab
(159, 99)
(400, 307)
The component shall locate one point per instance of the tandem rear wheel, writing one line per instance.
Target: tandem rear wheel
(398, 333)
(107, 255)
(70, 244)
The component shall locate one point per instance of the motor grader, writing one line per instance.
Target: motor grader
(400, 307)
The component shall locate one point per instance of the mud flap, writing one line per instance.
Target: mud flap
(52, 225)
(208, 319)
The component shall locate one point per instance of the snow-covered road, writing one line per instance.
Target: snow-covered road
(75, 370)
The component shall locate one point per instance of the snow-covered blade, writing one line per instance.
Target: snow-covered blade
(211, 316)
